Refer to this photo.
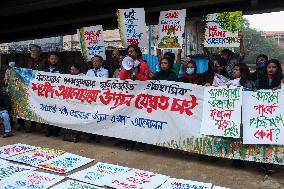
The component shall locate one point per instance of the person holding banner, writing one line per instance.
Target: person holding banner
(166, 72)
(230, 58)
(140, 70)
(190, 75)
(98, 70)
(75, 70)
(53, 67)
(271, 79)
(35, 62)
(241, 77)
(5, 107)
(113, 64)
(177, 66)
(220, 76)
(260, 63)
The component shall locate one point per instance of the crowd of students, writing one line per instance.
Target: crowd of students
(223, 70)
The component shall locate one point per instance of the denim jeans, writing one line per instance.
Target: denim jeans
(4, 115)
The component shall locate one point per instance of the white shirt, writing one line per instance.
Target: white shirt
(101, 72)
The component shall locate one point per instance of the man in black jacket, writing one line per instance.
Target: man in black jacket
(5, 107)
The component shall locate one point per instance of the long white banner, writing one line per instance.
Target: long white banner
(150, 112)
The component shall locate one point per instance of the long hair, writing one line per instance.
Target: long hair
(170, 61)
(223, 63)
(276, 81)
(245, 73)
(137, 50)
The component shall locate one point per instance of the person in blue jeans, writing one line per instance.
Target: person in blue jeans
(5, 105)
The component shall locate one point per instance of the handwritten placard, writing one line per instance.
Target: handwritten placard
(11, 170)
(171, 29)
(14, 149)
(92, 42)
(263, 117)
(37, 156)
(72, 184)
(33, 179)
(132, 26)
(65, 163)
(173, 183)
(2, 161)
(222, 111)
(136, 178)
(99, 174)
(222, 29)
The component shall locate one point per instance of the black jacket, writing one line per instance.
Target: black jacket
(5, 102)
(166, 75)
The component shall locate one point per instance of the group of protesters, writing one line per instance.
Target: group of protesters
(224, 69)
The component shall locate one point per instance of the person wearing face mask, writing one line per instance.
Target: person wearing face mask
(190, 75)
(260, 63)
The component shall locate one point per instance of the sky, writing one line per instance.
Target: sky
(267, 21)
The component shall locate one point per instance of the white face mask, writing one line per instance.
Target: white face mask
(12, 64)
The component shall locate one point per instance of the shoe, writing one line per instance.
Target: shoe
(9, 134)
(129, 145)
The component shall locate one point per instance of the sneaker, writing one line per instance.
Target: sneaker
(9, 134)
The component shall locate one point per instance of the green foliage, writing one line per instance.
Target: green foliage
(231, 21)
(256, 44)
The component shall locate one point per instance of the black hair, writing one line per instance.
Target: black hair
(245, 73)
(222, 62)
(171, 63)
(228, 51)
(276, 81)
(98, 56)
(136, 49)
(52, 53)
(76, 65)
(171, 55)
(263, 56)
(35, 46)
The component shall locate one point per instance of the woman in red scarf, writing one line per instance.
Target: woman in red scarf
(190, 73)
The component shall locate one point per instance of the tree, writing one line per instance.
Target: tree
(256, 44)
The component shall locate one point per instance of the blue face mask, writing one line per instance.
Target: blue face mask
(190, 71)
(261, 64)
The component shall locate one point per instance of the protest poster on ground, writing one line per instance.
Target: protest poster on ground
(92, 42)
(132, 26)
(99, 174)
(37, 156)
(171, 29)
(33, 179)
(173, 183)
(222, 111)
(2, 161)
(219, 187)
(10, 171)
(64, 163)
(222, 29)
(136, 178)
(14, 149)
(263, 117)
(72, 184)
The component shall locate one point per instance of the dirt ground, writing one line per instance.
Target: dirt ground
(176, 164)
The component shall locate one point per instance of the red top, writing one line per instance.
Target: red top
(142, 75)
